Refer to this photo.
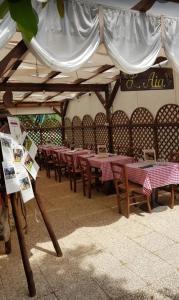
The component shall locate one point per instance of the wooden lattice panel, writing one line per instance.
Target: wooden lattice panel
(35, 136)
(121, 132)
(167, 114)
(101, 130)
(77, 132)
(142, 130)
(49, 123)
(53, 134)
(167, 123)
(68, 131)
(88, 131)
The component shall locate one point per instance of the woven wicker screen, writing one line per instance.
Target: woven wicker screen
(77, 132)
(68, 131)
(88, 132)
(101, 130)
(121, 132)
(167, 123)
(142, 131)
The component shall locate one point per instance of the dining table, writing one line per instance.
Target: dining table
(103, 163)
(153, 175)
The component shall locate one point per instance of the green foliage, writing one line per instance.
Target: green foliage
(3, 9)
(25, 16)
(60, 7)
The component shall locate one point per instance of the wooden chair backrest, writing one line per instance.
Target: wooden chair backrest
(70, 162)
(120, 176)
(174, 157)
(85, 167)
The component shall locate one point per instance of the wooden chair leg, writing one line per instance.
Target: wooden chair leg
(70, 178)
(74, 183)
(128, 207)
(172, 202)
(56, 173)
(59, 174)
(148, 204)
(84, 186)
(89, 189)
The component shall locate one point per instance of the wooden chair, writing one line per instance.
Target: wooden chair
(172, 189)
(49, 164)
(87, 175)
(127, 191)
(73, 172)
(59, 166)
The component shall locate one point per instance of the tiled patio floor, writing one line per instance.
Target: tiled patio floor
(105, 255)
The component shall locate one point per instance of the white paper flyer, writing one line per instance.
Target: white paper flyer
(24, 183)
(29, 144)
(15, 129)
(10, 177)
(7, 147)
(18, 153)
(30, 165)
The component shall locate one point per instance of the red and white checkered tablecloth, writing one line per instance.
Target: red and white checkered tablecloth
(104, 164)
(60, 153)
(154, 176)
(75, 153)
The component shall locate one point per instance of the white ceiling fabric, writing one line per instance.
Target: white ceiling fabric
(132, 39)
(64, 44)
(7, 29)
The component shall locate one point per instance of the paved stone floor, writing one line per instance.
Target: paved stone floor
(105, 255)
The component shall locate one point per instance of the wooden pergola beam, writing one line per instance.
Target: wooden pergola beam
(101, 98)
(114, 92)
(30, 104)
(100, 70)
(51, 75)
(144, 5)
(8, 62)
(52, 87)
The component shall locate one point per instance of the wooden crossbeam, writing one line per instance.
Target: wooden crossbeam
(114, 93)
(51, 75)
(9, 61)
(81, 80)
(144, 5)
(52, 87)
(101, 98)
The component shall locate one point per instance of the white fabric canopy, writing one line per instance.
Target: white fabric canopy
(132, 39)
(171, 41)
(64, 44)
(7, 29)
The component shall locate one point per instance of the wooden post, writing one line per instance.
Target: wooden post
(108, 117)
(46, 221)
(24, 255)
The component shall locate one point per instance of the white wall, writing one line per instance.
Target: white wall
(126, 101)
(85, 105)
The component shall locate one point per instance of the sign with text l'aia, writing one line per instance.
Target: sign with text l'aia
(152, 79)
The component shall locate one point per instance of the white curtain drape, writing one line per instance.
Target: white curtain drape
(7, 29)
(132, 39)
(64, 44)
(171, 40)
